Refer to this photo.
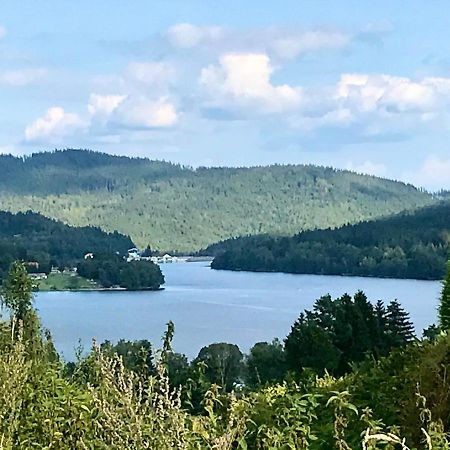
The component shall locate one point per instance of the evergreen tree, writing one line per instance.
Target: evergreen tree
(444, 306)
(308, 345)
(380, 313)
(342, 331)
(400, 328)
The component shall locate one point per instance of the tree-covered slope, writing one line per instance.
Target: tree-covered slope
(176, 208)
(408, 245)
(34, 238)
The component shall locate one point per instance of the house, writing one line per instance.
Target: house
(38, 276)
(72, 271)
(133, 255)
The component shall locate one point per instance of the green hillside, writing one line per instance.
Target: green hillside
(413, 245)
(34, 238)
(177, 208)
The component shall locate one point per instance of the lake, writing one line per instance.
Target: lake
(214, 306)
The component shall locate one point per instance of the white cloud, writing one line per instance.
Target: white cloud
(433, 174)
(104, 105)
(291, 45)
(369, 168)
(278, 42)
(186, 35)
(160, 113)
(377, 103)
(391, 93)
(22, 77)
(244, 79)
(150, 72)
(107, 117)
(54, 125)
(2, 32)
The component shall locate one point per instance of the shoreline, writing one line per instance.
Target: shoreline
(327, 274)
(119, 289)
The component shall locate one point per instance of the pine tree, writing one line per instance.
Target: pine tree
(399, 326)
(444, 306)
(381, 346)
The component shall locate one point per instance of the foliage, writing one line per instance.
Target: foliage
(177, 208)
(17, 292)
(340, 332)
(223, 364)
(35, 239)
(121, 397)
(136, 355)
(266, 363)
(111, 270)
(410, 245)
(444, 305)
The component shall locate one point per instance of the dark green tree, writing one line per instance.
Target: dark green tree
(338, 332)
(381, 345)
(399, 327)
(178, 369)
(431, 332)
(266, 363)
(444, 305)
(308, 345)
(223, 364)
(136, 355)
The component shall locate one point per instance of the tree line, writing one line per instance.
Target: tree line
(43, 242)
(112, 270)
(408, 245)
(175, 208)
(331, 338)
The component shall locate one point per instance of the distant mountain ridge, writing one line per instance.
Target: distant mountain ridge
(408, 245)
(171, 207)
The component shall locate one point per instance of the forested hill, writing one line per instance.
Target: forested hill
(34, 238)
(171, 207)
(414, 245)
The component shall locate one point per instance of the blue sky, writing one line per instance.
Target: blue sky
(353, 84)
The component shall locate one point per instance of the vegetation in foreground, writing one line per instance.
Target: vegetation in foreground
(118, 397)
(177, 208)
(409, 245)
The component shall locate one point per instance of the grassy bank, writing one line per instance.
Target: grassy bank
(65, 282)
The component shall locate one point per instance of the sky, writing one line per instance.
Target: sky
(358, 85)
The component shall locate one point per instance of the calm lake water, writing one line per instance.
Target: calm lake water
(214, 306)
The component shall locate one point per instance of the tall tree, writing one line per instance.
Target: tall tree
(309, 345)
(266, 363)
(400, 327)
(223, 364)
(17, 292)
(444, 305)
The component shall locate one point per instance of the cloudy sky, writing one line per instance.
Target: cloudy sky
(363, 85)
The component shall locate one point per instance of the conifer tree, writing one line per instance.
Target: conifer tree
(444, 306)
(400, 327)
